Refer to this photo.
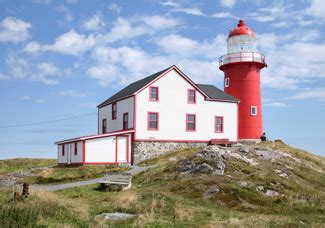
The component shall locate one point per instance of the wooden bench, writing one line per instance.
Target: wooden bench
(224, 142)
(121, 179)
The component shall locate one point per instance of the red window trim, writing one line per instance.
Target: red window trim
(150, 90)
(215, 124)
(76, 148)
(62, 150)
(104, 126)
(114, 113)
(188, 96)
(188, 114)
(148, 122)
(127, 121)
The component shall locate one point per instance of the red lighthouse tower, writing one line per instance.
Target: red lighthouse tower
(241, 66)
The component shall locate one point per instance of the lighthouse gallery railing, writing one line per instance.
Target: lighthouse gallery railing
(242, 57)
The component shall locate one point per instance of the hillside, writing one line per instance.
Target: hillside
(266, 184)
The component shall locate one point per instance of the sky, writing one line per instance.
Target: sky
(59, 59)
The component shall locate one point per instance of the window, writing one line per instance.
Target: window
(75, 148)
(153, 121)
(104, 126)
(253, 110)
(191, 96)
(153, 96)
(190, 122)
(227, 82)
(63, 153)
(114, 110)
(125, 121)
(218, 124)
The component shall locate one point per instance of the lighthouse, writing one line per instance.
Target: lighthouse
(241, 66)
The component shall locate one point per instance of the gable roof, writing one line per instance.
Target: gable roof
(208, 91)
(133, 87)
(215, 93)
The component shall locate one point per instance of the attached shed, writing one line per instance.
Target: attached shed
(110, 148)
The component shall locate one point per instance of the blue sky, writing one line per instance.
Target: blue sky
(59, 59)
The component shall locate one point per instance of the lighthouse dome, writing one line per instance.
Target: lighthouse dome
(241, 29)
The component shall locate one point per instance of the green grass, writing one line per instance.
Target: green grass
(68, 174)
(162, 197)
(21, 164)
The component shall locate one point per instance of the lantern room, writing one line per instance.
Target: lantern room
(241, 39)
(241, 47)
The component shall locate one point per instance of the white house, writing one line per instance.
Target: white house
(156, 114)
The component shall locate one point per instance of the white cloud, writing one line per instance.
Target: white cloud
(182, 46)
(276, 104)
(316, 9)
(159, 22)
(4, 77)
(124, 29)
(178, 45)
(47, 74)
(123, 65)
(316, 94)
(32, 47)
(67, 15)
(228, 3)
(72, 93)
(17, 67)
(114, 7)
(190, 10)
(176, 7)
(69, 43)
(169, 3)
(14, 30)
(32, 99)
(94, 23)
(223, 15)
(282, 24)
(293, 59)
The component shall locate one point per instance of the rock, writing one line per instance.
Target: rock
(243, 184)
(244, 149)
(267, 192)
(203, 168)
(272, 193)
(260, 188)
(114, 216)
(204, 162)
(212, 191)
(284, 175)
(243, 158)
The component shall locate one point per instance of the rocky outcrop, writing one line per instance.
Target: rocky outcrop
(205, 162)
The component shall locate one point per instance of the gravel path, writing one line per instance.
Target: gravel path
(134, 170)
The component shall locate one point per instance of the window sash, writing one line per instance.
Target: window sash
(191, 123)
(104, 126)
(125, 121)
(154, 93)
(219, 124)
(114, 110)
(153, 121)
(191, 96)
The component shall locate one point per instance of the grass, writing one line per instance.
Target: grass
(162, 197)
(22, 164)
(68, 174)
